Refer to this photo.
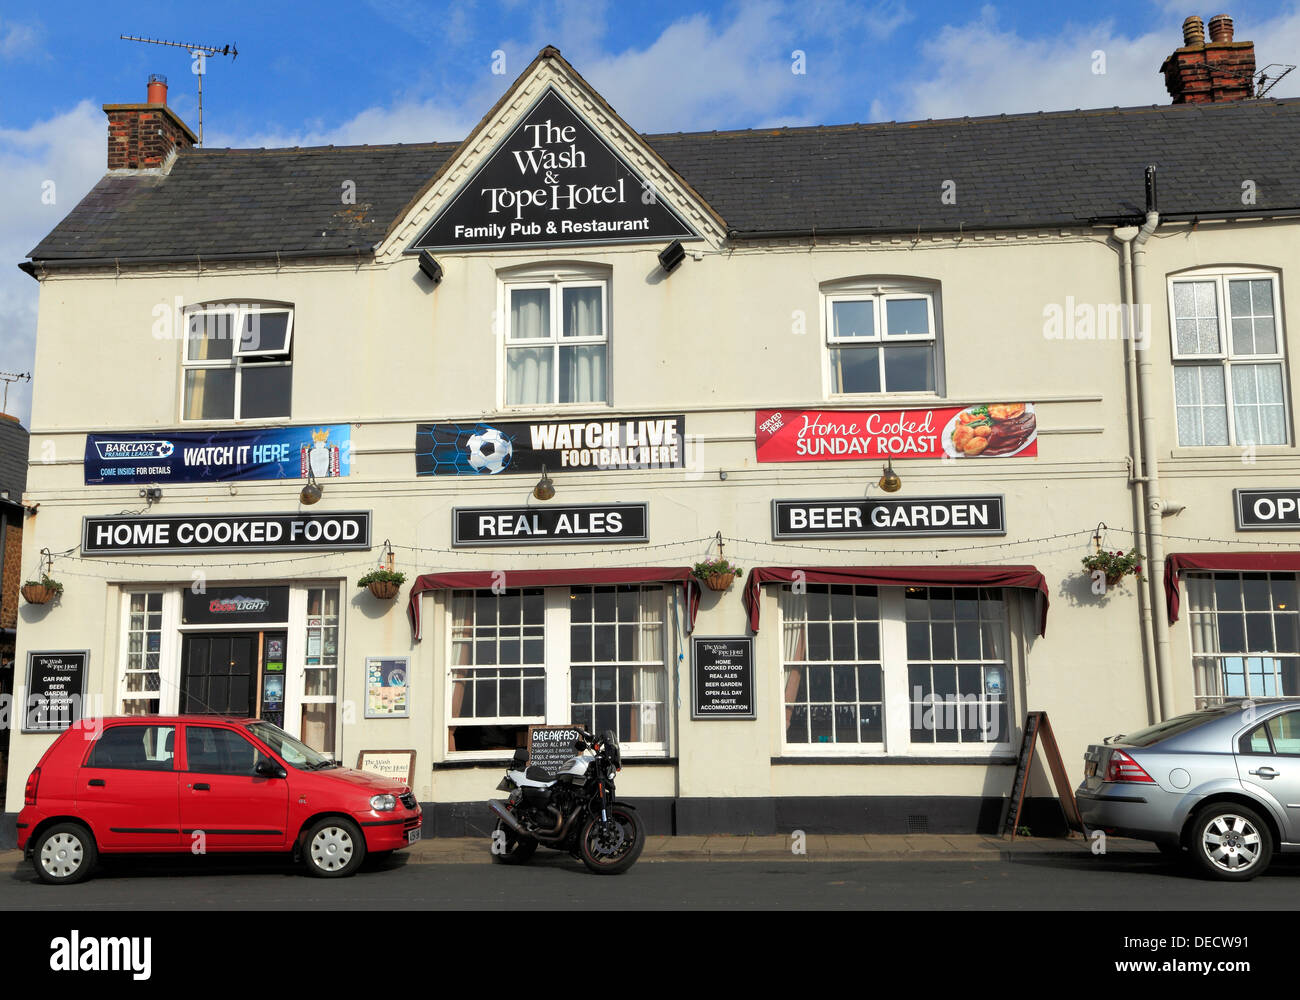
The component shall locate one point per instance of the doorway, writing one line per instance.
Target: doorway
(219, 673)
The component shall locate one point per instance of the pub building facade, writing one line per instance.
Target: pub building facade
(905, 377)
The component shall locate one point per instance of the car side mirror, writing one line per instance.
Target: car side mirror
(269, 769)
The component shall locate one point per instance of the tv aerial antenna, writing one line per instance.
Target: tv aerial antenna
(200, 54)
(1264, 83)
(8, 377)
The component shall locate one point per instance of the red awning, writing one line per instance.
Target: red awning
(1233, 562)
(1026, 577)
(485, 579)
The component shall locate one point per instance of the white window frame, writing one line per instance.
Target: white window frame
(558, 678)
(896, 712)
(554, 280)
(1204, 622)
(238, 312)
(1225, 357)
(169, 658)
(880, 293)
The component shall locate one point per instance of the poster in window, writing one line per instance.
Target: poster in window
(313, 644)
(274, 648)
(387, 693)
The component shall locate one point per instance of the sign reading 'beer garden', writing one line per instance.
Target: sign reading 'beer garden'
(553, 181)
(888, 516)
(102, 536)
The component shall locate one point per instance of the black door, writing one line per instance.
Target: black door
(219, 674)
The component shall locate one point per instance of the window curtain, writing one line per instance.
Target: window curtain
(648, 726)
(1205, 636)
(794, 617)
(582, 312)
(462, 621)
(582, 374)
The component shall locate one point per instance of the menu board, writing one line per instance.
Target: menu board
(551, 746)
(387, 690)
(56, 690)
(722, 677)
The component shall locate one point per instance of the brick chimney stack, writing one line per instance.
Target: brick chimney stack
(143, 136)
(1204, 72)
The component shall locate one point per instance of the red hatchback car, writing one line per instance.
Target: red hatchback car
(154, 784)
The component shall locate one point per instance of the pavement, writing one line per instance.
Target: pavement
(816, 847)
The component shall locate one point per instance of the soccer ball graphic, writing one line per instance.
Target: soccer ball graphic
(489, 451)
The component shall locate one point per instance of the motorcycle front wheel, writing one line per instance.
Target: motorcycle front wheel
(611, 848)
(508, 848)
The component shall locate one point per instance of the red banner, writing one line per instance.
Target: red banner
(985, 430)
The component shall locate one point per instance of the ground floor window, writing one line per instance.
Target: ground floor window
(588, 656)
(917, 670)
(1245, 635)
(141, 676)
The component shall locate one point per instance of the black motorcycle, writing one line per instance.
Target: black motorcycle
(573, 810)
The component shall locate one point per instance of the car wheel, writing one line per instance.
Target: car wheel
(64, 854)
(333, 848)
(1231, 842)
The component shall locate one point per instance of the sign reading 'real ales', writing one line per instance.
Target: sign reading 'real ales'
(552, 181)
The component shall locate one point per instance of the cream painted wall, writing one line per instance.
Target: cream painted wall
(375, 346)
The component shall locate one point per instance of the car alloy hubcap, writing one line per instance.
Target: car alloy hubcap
(62, 855)
(1231, 843)
(331, 849)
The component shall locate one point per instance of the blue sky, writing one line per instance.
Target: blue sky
(410, 70)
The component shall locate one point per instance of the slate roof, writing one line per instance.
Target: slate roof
(1011, 171)
(13, 457)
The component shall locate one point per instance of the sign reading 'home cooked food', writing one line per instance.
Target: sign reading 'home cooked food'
(986, 430)
(553, 181)
(888, 516)
(103, 536)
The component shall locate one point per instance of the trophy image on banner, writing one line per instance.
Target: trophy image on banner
(322, 458)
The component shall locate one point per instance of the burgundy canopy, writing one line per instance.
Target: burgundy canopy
(1240, 562)
(1026, 577)
(485, 579)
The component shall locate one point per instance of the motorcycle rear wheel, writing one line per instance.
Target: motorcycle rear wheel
(514, 850)
(612, 848)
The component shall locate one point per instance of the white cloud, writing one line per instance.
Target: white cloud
(977, 68)
(18, 40)
(59, 158)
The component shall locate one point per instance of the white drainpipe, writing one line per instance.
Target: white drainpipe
(1125, 235)
(1155, 506)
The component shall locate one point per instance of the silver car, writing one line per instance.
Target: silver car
(1222, 784)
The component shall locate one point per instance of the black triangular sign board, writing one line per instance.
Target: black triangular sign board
(553, 181)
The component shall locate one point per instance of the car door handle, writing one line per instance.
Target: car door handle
(202, 786)
(1266, 772)
(96, 782)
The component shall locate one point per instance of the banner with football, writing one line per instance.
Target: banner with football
(984, 430)
(491, 448)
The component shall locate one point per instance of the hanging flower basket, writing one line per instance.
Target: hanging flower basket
(383, 583)
(41, 591)
(716, 574)
(1114, 565)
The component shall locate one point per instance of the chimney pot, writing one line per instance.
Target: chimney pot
(1193, 31)
(157, 90)
(1220, 28)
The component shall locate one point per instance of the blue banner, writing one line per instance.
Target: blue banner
(218, 456)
